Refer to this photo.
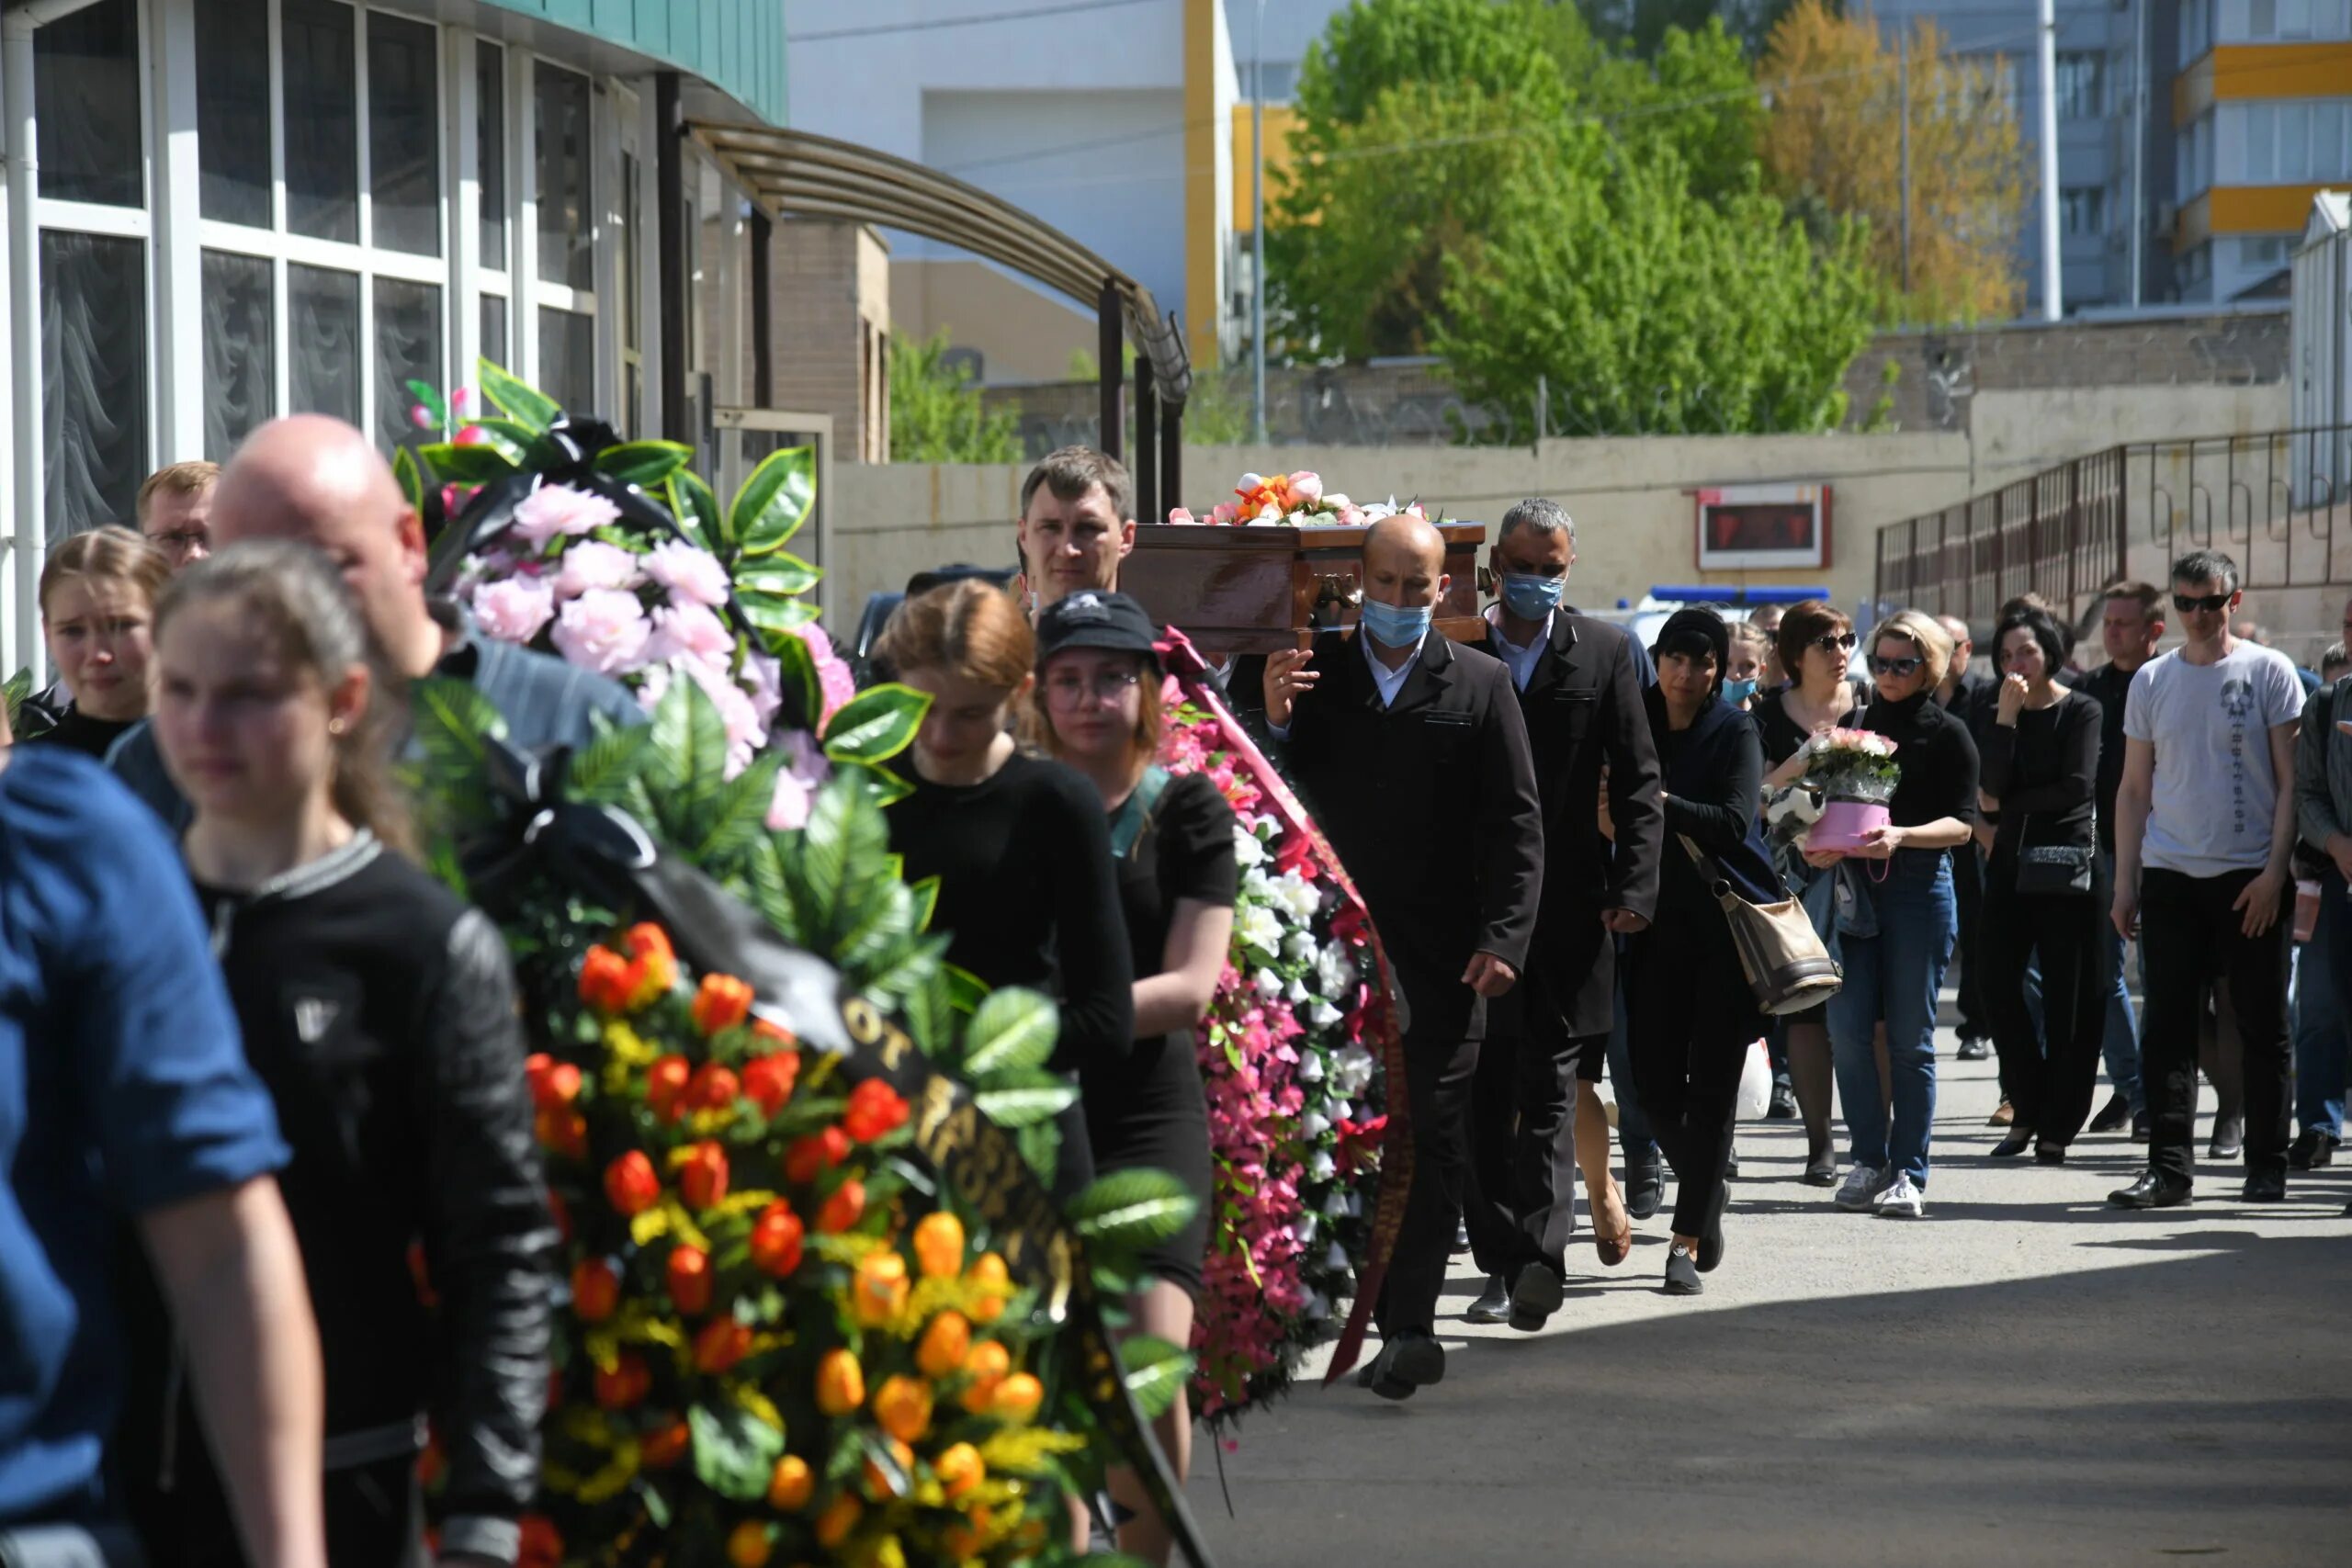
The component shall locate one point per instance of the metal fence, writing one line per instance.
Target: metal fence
(2280, 502)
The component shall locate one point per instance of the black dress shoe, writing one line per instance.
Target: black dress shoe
(2050, 1154)
(1535, 1296)
(2114, 1116)
(1461, 1236)
(1683, 1273)
(1820, 1170)
(2021, 1139)
(1493, 1304)
(1645, 1186)
(1974, 1049)
(2312, 1149)
(2151, 1191)
(1405, 1365)
(2229, 1139)
(1783, 1105)
(2264, 1187)
(1710, 1246)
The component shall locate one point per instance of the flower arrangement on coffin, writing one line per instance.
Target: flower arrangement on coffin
(814, 1303)
(1293, 1088)
(1298, 500)
(1853, 773)
(623, 562)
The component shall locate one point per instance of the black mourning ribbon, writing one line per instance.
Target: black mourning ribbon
(605, 857)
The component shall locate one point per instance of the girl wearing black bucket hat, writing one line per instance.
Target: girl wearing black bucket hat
(1097, 707)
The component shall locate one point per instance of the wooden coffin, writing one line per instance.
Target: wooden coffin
(1259, 590)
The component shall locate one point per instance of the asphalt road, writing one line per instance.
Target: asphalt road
(2024, 1377)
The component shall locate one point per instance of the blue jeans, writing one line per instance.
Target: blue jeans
(2320, 1022)
(2122, 1045)
(1894, 975)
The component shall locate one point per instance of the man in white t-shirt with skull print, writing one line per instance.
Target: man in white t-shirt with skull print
(2205, 826)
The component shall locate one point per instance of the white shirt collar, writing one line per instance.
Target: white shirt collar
(1390, 682)
(1519, 660)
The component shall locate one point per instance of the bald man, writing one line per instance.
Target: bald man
(319, 482)
(1414, 758)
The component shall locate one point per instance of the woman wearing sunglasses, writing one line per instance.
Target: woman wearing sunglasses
(1897, 918)
(1816, 641)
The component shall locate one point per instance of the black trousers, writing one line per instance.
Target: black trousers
(2049, 1073)
(1437, 1089)
(1968, 887)
(2189, 936)
(1690, 1093)
(1519, 1201)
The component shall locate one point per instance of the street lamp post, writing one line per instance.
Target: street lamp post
(1257, 226)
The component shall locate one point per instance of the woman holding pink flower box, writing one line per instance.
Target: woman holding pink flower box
(1897, 917)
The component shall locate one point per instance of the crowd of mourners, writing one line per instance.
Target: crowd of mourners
(256, 1064)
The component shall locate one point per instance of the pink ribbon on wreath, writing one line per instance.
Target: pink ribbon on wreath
(1181, 660)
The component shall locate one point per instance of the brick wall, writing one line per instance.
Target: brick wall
(830, 317)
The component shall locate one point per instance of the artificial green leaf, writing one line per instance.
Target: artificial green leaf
(735, 1451)
(603, 769)
(645, 464)
(739, 815)
(525, 404)
(796, 676)
(1130, 1210)
(880, 920)
(823, 867)
(412, 479)
(771, 890)
(475, 464)
(696, 509)
(907, 974)
(1011, 1029)
(776, 618)
(876, 724)
(1023, 1098)
(450, 719)
(926, 895)
(965, 990)
(781, 573)
(776, 500)
(929, 1020)
(514, 441)
(430, 399)
(1040, 1144)
(882, 787)
(690, 751)
(13, 693)
(1155, 1371)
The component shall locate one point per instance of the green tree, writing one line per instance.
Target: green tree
(1645, 311)
(1418, 117)
(937, 415)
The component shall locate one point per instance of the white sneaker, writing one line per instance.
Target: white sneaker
(1901, 1201)
(1862, 1186)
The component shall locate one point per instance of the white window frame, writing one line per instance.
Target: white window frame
(535, 292)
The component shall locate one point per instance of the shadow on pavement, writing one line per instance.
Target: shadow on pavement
(2163, 1406)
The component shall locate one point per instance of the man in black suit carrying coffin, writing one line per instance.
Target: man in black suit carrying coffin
(1539, 1069)
(1412, 753)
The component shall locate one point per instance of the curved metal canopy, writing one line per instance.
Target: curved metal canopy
(794, 173)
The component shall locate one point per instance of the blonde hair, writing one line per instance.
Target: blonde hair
(1923, 632)
(294, 592)
(192, 478)
(110, 554)
(967, 628)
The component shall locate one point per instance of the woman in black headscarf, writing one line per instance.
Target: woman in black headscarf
(1692, 1015)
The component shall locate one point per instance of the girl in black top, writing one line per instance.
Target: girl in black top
(1815, 643)
(97, 613)
(380, 1011)
(2041, 773)
(1026, 891)
(1897, 918)
(1098, 704)
(1692, 1014)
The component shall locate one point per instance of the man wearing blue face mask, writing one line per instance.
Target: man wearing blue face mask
(1412, 753)
(1580, 696)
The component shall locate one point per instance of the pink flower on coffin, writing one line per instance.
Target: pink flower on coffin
(688, 573)
(1181, 518)
(688, 633)
(513, 609)
(1225, 513)
(804, 770)
(603, 629)
(591, 563)
(553, 510)
(1306, 488)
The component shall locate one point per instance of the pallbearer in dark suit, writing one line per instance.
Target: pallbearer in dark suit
(1581, 699)
(1413, 756)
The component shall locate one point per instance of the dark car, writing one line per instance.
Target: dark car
(879, 607)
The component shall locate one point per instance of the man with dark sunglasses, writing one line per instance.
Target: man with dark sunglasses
(2204, 834)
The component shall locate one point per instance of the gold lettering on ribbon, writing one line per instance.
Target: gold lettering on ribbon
(864, 1023)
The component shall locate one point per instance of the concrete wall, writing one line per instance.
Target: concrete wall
(830, 287)
(1630, 497)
